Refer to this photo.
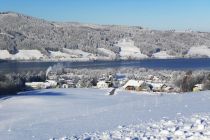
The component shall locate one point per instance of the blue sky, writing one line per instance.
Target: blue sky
(155, 14)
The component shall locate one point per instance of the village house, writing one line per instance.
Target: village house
(41, 85)
(168, 89)
(70, 83)
(65, 86)
(52, 77)
(137, 85)
(52, 83)
(35, 85)
(158, 87)
(153, 79)
(198, 87)
(80, 84)
(121, 80)
(102, 84)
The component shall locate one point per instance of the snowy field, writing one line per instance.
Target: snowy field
(129, 50)
(199, 51)
(91, 113)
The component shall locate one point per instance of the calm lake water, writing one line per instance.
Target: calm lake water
(173, 64)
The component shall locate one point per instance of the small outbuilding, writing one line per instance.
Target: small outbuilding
(65, 86)
(158, 87)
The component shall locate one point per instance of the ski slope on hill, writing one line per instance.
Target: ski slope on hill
(56, 113)
(129, 50)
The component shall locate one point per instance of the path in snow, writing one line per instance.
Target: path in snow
(197, 127)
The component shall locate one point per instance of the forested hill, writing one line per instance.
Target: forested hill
(75, 40)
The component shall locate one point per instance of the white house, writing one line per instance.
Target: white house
(154, 79)
(157, 87)
(52, 83)
(70, 83)
(198, 87)
(36, 85)
(41, 85)
(65, 86)
(102, 84)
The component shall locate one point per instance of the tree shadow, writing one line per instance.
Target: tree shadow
(40, 93)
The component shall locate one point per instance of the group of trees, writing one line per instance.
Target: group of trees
(187, 81)
(12, 83)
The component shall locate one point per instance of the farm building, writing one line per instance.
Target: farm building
(41, 85)
(136, 85)
(158, 87)
(36, 85)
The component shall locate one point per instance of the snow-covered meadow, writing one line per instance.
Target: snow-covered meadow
(21, 55)
(199, 51)
(129, 50)
(91, 113)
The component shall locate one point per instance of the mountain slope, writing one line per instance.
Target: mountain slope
(20, 32)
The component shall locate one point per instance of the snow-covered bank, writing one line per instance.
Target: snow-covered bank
(199, 51)
(56, 113)
(196, 127)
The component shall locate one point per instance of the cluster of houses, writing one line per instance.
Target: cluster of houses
(152, 84)
(69, 80)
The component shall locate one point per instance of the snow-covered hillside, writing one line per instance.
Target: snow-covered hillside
(67, 55)
(22, 55)
(107, 52)
(60, 113)
(199, 51)
(129, 50)
(23, 32)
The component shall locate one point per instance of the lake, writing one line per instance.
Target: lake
(172, 64)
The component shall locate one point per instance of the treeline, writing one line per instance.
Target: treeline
(187, 81)
(12, 83)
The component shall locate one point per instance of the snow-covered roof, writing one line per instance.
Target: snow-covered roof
(157, 85)
(134, 83)
(199, 85)
(101, 82)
